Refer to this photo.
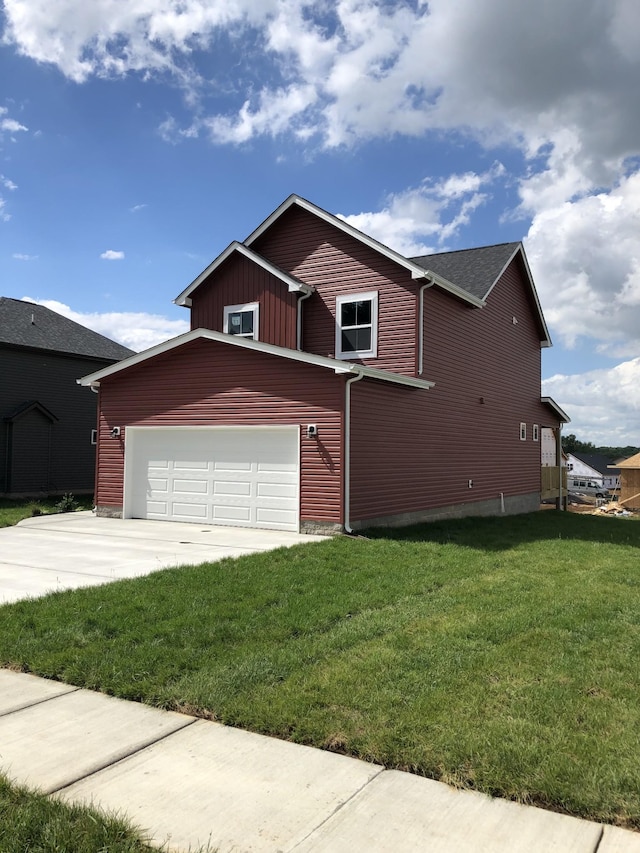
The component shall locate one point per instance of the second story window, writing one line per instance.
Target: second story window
(242, 320)
(357, 325)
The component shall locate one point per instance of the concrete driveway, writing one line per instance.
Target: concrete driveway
(55, 552)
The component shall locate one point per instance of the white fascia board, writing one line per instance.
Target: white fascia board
(414, 269)
(563, 416)
(339, 367)
(452, 288)
(417, 272)
(293, 285)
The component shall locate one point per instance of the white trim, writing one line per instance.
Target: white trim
(93, 379)
(372, 352)
(293, 284)
(249, 307)
(523, 431)
(450, 287)
(562, 416)
(535, 434)
(414, 269)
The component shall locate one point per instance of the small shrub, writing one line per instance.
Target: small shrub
(67, 503)
(35, 510)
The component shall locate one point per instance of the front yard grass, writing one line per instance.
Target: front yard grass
(12, 511)
(499, 654)
(33, 822)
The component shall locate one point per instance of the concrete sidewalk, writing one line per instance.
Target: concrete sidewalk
(69, 550)
(191, 782)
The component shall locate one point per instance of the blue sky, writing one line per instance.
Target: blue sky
(137, 140)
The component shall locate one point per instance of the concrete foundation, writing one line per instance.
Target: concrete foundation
(109, 511)
(513, 505)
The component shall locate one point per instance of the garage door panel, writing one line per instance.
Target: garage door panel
(277, 490)
(228, 513)
(243, 477)
(230, 487)
(199, 487)
(189, 511)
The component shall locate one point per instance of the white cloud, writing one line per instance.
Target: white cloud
(137, 207)
(136, 330)
(18, 256)
(418, 221)
(7, 184)
(9, 125)
(585, 259)
(111, 255)
(604, 405)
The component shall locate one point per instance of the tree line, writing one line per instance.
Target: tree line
(571, 444)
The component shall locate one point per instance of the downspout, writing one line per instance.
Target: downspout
(347, 450)
(299, 328)
(423, 287)
(559, 464)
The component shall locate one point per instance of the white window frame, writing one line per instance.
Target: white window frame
(536, 432)
(523, 431)
(372, 352)
(246, 308)
(94, 436)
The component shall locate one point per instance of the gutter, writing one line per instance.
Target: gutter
(347, 450)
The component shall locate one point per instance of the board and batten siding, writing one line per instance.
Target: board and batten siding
(336, 264)
(424, 447)
(240, 281)
(206, 383)
(66, 463)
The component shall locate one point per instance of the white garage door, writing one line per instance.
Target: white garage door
(246, 477)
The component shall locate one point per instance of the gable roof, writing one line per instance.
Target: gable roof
(93, 379)
(25, 324)
(477, 271)
(30, 406)
(631, 462)
(597, 461)
(417, 272)
(293, 284)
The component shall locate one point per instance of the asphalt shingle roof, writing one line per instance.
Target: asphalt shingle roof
(474, 270)
(598, 462)
(25, 324)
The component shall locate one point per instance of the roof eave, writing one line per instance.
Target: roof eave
(293, 285)
(339, 367)
(415, 270)
(562, 415)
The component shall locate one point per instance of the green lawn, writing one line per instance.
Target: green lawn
(13, 511)
(34, 823)
(500, 654)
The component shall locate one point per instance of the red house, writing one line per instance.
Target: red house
(329, 384)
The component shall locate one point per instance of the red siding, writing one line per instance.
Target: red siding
(208, 383)
(237, 282)
(421, 448)
(335, 263)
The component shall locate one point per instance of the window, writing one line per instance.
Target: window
(357, 325)
(242, 320)
(523, 432)
(536, 432)
(94, 436)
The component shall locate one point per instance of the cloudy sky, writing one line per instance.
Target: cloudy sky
(138, 139)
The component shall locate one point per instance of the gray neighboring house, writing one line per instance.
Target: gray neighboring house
(46, 419)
